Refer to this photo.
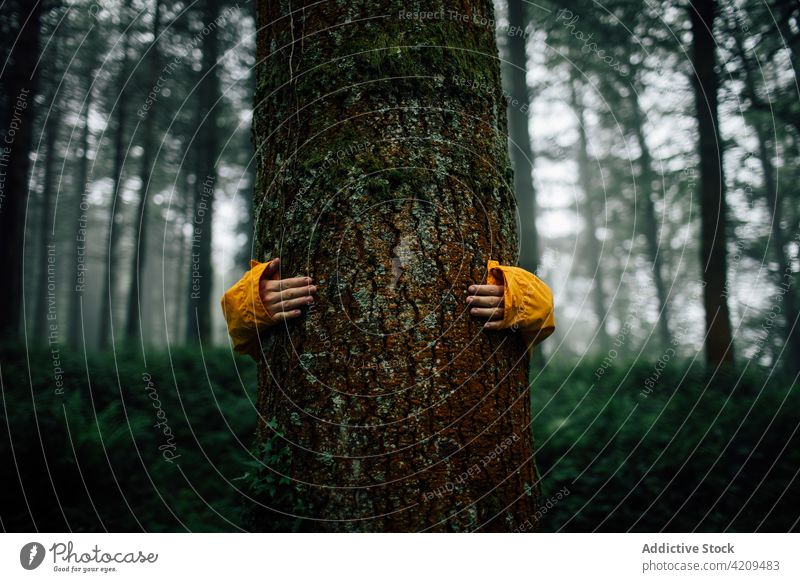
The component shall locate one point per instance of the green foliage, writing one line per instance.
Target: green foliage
(699, 451)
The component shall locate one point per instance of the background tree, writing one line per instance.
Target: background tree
(20, 78)
(713, 234)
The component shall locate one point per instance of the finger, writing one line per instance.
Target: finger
(487, 312)
(274, 297)
(484, 301)
(486, 290)
(282, 284)
(286, 315)
(273, 267)
(493, 325)
(292, 304)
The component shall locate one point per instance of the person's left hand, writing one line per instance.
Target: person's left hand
(486, 302)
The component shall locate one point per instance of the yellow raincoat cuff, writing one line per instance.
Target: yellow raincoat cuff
(527, 302)
(244, 311)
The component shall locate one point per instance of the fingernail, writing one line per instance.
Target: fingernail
(472, 289)
(469, 299)
(313, 288)
(310, 300)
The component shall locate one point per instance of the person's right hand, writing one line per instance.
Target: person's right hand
(283, 298)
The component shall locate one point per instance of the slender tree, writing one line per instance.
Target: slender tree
(591, 210)
(139, 257)
(115, 204)
(713, 231)
(521, 149)
(386, 139)
(198, 324)
(46, 233)
(75, 325)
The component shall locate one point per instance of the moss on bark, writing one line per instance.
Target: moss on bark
(384, 175)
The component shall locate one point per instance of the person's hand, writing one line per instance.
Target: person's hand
(486, 302)
(283, 298)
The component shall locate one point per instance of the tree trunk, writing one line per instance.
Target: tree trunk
(198, 325)
(649, 221)
(79, 257)
(115, 204)
(713, 231)
(383, 173)
(521, 148)
(592, 243)
(46, 235)
(20, 79)
(132, 327)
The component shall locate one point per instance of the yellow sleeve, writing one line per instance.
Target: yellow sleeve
(527, 303)
(244, 312)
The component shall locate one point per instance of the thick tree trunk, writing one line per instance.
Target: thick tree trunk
(115, 204)
(145, 174)
(20, 80)
(591, 242)
(198, 325)
(713, 231)
(383, 173)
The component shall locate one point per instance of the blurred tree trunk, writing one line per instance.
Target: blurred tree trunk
(74, 329)
(145, 175)
(383, 173)
(115, 204)
(20, 83)
(649, 220)
(183, 214)
(521, 147)
(713, 232)
(592, 244)
(46, 236)
(198, 325)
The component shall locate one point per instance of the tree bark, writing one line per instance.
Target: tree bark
(133, 325)
(383, 173)
(713, 231)
(21, 81)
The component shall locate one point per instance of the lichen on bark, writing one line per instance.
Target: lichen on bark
(384, 176)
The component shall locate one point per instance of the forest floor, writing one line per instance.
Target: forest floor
(164, 446)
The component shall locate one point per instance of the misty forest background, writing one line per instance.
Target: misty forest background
(139, 106)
